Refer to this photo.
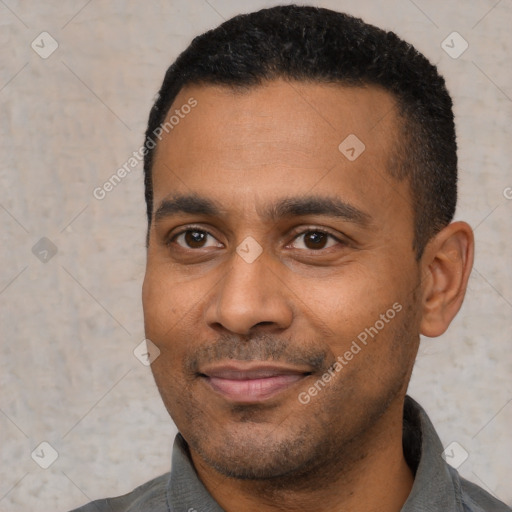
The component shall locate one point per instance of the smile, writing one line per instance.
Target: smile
(246, 382)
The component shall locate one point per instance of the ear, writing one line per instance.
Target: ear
(446, 265)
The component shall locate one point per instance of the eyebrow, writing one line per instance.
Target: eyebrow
(189, 204)
(287, 207)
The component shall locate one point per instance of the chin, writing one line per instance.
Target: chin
(255, 454)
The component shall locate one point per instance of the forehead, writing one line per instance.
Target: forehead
(279, 136)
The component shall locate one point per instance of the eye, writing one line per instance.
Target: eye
(315, 240)
(195, 239)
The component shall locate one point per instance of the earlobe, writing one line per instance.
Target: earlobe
(446, 266)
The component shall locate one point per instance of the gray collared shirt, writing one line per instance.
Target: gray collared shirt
(437, 486)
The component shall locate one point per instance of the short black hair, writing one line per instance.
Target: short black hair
(310, 44)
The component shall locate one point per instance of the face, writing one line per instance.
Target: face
(280, 274)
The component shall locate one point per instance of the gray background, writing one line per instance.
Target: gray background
(70, 324)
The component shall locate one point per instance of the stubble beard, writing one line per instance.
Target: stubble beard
(322, 445)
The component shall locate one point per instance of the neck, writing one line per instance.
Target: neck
(369, 475)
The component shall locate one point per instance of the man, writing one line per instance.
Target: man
(300, 175)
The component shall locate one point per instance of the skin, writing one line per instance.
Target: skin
(302, 302)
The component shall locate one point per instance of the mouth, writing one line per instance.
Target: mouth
(250, 382)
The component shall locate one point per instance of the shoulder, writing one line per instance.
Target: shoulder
(150, 496)
(476, 499)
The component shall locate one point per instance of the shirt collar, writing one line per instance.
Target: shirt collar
(436, 486)
(185, 492)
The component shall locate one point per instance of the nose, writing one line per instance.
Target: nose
(250, 294)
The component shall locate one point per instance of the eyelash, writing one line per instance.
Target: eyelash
(297, 235)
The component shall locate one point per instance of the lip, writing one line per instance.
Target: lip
(250, 382)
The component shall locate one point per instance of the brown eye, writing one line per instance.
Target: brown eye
(314, 240)
(195, 239)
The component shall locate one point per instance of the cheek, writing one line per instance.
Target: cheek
(162, 313)
(355, 292)
(172, 314)
(162, 307)
(157, 304)
(352, 303)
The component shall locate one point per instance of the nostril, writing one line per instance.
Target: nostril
(262, 324)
